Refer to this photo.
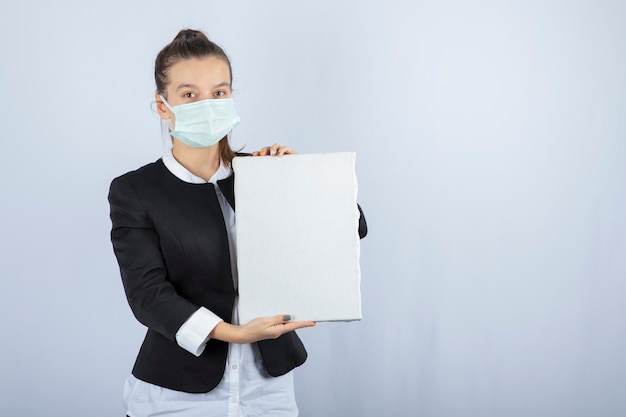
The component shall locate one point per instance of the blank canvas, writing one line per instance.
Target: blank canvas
(297, 237)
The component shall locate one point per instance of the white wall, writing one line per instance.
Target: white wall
(491, 145)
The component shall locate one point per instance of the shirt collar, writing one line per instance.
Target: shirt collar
(183, 173)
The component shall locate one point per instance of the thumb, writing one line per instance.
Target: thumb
(281, 318)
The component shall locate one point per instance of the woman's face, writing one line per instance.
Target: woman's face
(195, 79)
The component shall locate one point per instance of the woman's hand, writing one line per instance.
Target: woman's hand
(258, 329)
(274, 150)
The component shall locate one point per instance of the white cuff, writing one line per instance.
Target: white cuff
(194, 333)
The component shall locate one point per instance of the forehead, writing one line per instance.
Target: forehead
(203, 72)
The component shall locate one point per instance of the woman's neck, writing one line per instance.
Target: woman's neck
(201, 162)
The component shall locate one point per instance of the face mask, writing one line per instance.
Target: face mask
(203, 123)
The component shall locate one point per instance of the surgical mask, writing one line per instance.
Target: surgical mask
(203, 123)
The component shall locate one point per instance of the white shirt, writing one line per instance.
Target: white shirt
(246, 389)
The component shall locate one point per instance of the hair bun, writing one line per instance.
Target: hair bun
(189, 34)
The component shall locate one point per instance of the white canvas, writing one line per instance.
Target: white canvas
(297, 237)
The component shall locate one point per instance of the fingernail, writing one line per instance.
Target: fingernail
(286, 317)
(314, 324)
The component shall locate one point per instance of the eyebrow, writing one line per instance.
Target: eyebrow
(188, 85)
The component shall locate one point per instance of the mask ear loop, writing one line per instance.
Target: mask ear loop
(169, 121)
(166, 103)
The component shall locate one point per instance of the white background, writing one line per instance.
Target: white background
(491, 157)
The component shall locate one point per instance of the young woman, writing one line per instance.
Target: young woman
(173, 235)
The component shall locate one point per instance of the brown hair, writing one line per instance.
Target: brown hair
(190, 44)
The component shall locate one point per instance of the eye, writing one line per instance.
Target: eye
(189, 95)
(222, 93)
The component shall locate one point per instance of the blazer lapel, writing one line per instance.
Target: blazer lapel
(227, 186)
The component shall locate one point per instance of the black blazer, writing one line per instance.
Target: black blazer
(170, 241)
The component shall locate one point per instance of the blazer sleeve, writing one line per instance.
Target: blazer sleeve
(152, 298)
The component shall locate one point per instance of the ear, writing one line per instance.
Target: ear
(161, 108)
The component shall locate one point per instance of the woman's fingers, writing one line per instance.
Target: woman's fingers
(274, 150)
(272, 327)
(285, 319)
(285, 150)
(295, 325)
(283, 323)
